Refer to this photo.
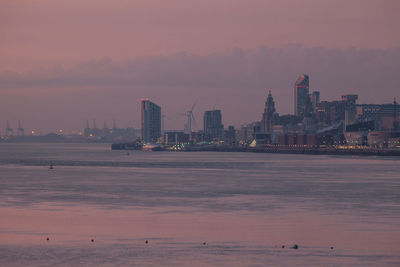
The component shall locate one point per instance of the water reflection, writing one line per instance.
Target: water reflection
(244, 206)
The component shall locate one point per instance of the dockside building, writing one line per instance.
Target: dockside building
(151, 121)
(213, 127)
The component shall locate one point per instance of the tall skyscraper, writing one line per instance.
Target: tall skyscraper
(301, 88)
(151, 121)
(213, 128)
(268, 115)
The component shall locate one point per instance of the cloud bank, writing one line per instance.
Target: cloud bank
(236, 68)
(235, 81)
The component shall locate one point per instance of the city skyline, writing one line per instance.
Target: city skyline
(15, 130)
(57, 72)
(199, 133)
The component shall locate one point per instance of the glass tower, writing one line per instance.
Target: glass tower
(213, 128)
(151, 121)
(301, 88)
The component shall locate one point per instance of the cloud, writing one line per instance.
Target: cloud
(235, 80)
(234, 68)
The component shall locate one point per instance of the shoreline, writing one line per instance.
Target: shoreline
(278, 150)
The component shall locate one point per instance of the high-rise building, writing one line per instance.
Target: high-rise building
(267, 120)
(301, 88)
(213, 128)
(151, 121)
(308, 116)
(315, 99)
(308, 107)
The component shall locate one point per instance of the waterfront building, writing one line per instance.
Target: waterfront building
(151, 121)
(315, 99)
(175, 137)
(350, 112)
(301, 91)
(385, 116)
(308, 108)
(288, 119)
(269, 116)
(308, 123)
(330, 112)
(230, 135)
(197, 137)
(287, 123)
(213, 127)
(246, 133)
(261, 139)
(356, 138)
(242, 134)
(378, 139)
(361, 126)
(394, 142)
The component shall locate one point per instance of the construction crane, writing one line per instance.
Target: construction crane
(9, 130)
(20, 130)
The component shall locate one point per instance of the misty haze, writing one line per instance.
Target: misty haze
(199, 133)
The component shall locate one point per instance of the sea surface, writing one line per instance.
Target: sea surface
(99, 207)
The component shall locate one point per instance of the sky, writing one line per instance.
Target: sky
(65, 62)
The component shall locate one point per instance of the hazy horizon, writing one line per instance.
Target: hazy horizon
(67, 62)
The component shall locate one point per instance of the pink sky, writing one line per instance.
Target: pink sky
(46, 39)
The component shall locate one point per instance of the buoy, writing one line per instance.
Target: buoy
(92, 240)
(47, 239)
(283, 246)
(147, 241)
(295, 246)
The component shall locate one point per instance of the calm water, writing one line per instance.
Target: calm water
(244, 206)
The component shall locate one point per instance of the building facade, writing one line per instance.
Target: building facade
(230, 135)
(315, 99)
(269, 115)
(351, 111)
(330, 112)
(175, 137)
(213, 128)
(385, 116)
(151, 121)
(301, 91)
(246, 133)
